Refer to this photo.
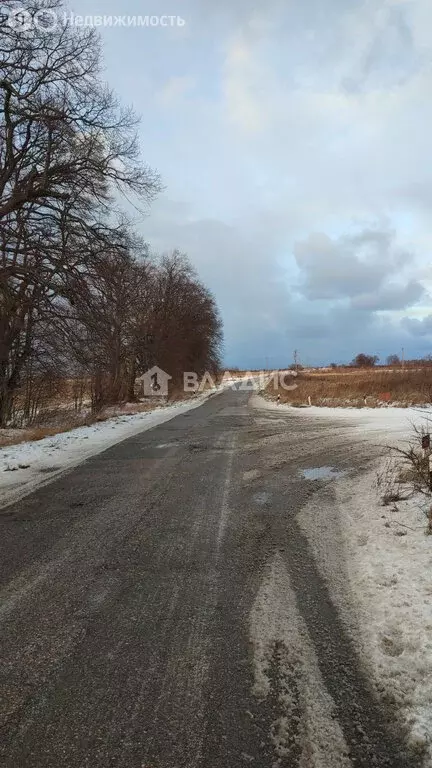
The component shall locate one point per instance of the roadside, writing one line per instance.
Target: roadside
(27, 465)
(379, 568)
(358, 387)
(168, 581)
(70, 404)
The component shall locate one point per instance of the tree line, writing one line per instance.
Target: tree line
(81, 296)
(363, 360)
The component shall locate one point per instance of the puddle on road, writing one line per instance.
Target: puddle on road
(321, 473)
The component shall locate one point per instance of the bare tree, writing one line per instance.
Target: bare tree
(61, 125)
(65, 147)
(186, 329)
(365, 361)
(79, 295)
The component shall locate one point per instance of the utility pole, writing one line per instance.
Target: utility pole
(403, 358)
(296, 362)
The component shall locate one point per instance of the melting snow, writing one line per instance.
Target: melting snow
(321, 473)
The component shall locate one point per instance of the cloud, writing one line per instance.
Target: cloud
(334, 315)
(360, 267)
(419, 327)
(293, 139)
(248, 282)
(391, 297)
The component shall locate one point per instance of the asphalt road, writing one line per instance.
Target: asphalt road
(161, 607)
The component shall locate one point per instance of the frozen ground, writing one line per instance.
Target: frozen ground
(222, 534)
(386, 421)
(388, 558)
(389, 561)
(378, 569)
(27, 465)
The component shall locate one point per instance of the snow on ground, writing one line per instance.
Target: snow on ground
(388, 421)
(389, 560)
(27, 465)
(387, 556)
(385, 551)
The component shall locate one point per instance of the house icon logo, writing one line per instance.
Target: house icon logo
(154, 382)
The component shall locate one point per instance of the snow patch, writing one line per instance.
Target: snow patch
(377, 562)
(321, 473)
(380, 423)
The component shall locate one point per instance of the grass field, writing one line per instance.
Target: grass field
(371, 387)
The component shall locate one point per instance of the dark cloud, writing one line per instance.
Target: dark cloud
(359, 267)
(249, 122)
(265, 318)
(419, 327)
(249, 285)
(390, 297)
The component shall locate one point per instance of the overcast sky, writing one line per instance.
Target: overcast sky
(294, 140)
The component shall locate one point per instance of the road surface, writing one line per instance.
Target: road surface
(161, 607)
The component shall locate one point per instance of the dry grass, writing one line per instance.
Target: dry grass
(58, 412)
(353, 387)
(31, 434)
(67, 420)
